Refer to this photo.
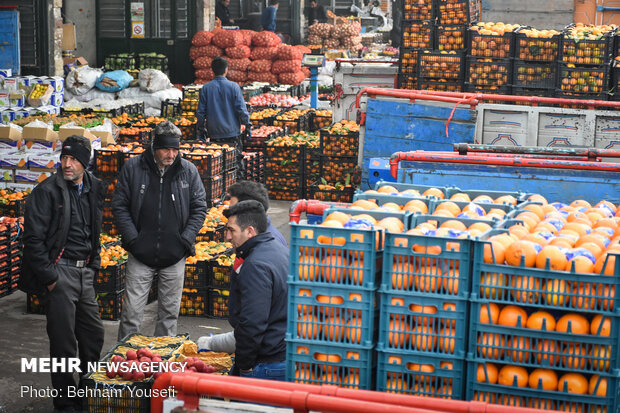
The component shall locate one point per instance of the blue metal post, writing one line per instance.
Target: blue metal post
(314, 87)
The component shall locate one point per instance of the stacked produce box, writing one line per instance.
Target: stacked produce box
(132, 61)
(110, 279)
(10, 253)
(585, 62)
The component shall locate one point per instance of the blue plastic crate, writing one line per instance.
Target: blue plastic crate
(473, 193)
(400, 200)
(404, 216)
(331, 315)
(435, 266)
(403, 372)
(420, 188)
(484, 207)
(543, 288)
(543, 399)
(334, 256)
(532, 348)
(324, 364)
(422, 325)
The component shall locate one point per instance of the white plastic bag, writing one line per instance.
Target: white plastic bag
(82, 79)
(96, 94)
(153, 80)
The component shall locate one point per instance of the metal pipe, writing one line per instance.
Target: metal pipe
(432, 156)
(310, 206)
(465, 148)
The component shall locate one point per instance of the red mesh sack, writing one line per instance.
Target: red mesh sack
(263, 53)
(247, 36)
(227, 38)
(202, 38)
(239, 64)
(204, 74)
(265, 39)
(260, 66)
(237, 76)
(293, 78)
(286, 66)
(266, 77)
(287, 52)
(303, 49)
(211, 51)
(306, 71)
(203, 62)
(238, 52)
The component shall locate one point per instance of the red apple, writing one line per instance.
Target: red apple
(131, 355)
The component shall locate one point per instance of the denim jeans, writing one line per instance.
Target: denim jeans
(268, 371)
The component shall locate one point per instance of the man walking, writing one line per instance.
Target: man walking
(61, 256)
(159, 205)
(268, 17)
(258, 294)
(222, 111)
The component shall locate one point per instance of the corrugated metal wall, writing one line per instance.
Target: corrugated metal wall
(29, 33)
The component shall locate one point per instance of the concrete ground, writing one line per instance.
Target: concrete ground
(24, 335)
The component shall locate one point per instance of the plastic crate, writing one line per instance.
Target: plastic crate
(407, 81)
(214, 187)
(339, 169)
(537, 49)
(194, 302)
(284, 181)
(586, 52)
(400, 199)
(417, 34)
(331, 315)
(404, 187)
(191, 91)
(408, 61)
(206, 163)
(116, 397)
(482, 208)
(259, 118)
(34, 304)
(458, 11)
(542, 399)
(230, 158)
(490, 45)
(419, 10)
(121, 61)
(218, 303)
(440, 86)
(526, 91)
(330, 195)
(297, 125)
(230, 178)
(427, 376)
(110, 305)
(423, 325)
(318, 122)
(614, 90)
(486, 72)
(339, 145)
(335, 256)
(215, 235)
(143, 137)
(534, 74)
(325, 364)
(474, 193)
(532, 348)
(110, 279)
(218, 276)
(284, 159)
(196, 275)
(15, 208)
(170, 108)
(583, 81)
(148, 61)
(435, 66)
(285, 194)
(451, 37)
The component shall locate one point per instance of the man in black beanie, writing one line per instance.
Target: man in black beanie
(61, 257)
(159, 206)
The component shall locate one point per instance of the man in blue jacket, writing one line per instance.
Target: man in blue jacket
(222, 110)
(257, 303)
(268, 18)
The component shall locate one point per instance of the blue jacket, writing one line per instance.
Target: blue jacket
(276, 234)
(258, 301)
(268, 19)
(222, 106)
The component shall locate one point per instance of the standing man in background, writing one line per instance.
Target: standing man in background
(315, 13)
(222, 12)
(61, 257)
(268, 18)
(159, 205)
(222, 114)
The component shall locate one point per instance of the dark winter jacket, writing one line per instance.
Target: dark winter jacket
(46, 225)
(258, 301)
(159, 235)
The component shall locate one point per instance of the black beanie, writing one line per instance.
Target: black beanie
(78, 147)
(165, 141)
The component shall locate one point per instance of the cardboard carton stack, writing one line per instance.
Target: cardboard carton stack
(20, 96)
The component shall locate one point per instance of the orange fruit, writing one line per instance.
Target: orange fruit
(454, 224)
(438, 193)
(580, 203)
(601, 330)
(506, 199)
(402, 279)
(492, 285)
(489, 313)
(354, 330)
(512, 316)
(398, 331)
(561, 242)
(333, 268)
(338, 216)
(584, 296)
(450, 206)
(573, 383)
(555, 256)
(416, 205)
(423, 338)
(391, 224)
(387, 189)
(541, 320)
(356, 272)
(537, 198)
(573, 323)
(519, 230)
(494, 253)
(520, 349)
(364, 204)
(575, 357)
(543, 379)
(424, 309)
(308, 326)
(518, 249)
(487, 373)
(525, 288)
(581, 229)
(605, 264)
(556, 291)
(429, 280)
(483, 199)
(597, 386)
(546, 350)
(512, 376)
(308, 268)
(530, 219)
(461, 197)
(446, 340)
(490, 345)
(593, 248)
(391, 206)
(599, 357)
(537, 209)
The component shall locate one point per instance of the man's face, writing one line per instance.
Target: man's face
(72, 169)
(165, 156)
(313, 4)
(226, 2)
(235, 235)
(233, 200)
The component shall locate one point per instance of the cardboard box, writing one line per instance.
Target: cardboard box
(68, 67)
(57, 99)
(81, 61)
(7, 115)
(10, 84)
(106, 138)
(6, 72)
(68, 37)
(64, 133)
(7, 175)
(10, 133)
(17, 100)
(35, 133)
(56, 82)
(22, 113)
(50, 110)
(16, 160)
(44, 162)
(31, 177)
(19, 186)
(4, 99)
(43, 100)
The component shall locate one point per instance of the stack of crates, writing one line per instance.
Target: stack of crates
(542, 338)
(210, 164)
(584, 66)
(109, 284)
(438, 70)
(535, 68)
(338, 164)
(284, 171)
(5, 261)
(254, 166)
(332, 304)
(218, 288)
(194, 297)
(108, 225)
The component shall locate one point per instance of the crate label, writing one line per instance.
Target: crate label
(44, 161)
(14, 160)
(27, 176)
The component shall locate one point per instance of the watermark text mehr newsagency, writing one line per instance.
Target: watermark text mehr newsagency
(72, 365)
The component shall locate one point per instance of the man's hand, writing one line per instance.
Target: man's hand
(51, 286)
(242, 128)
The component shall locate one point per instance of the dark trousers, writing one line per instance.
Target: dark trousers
(237, 143)
(73, 324)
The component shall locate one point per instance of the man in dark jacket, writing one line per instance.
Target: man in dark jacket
(315, 13)
(222, 111)
(222, 12)
(268, 17)
(159, 205)
(257, 303)
(61, 256)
